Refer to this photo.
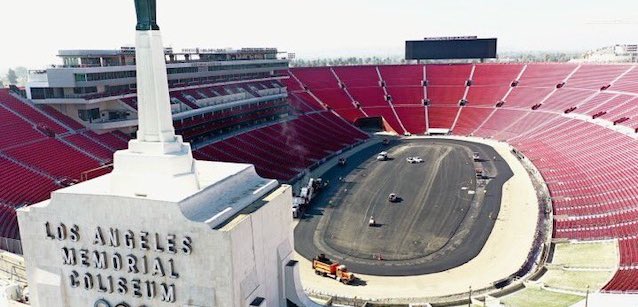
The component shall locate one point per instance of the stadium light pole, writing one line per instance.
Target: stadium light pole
(469, 298)
(587, 297)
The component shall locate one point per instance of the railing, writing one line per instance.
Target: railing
(96, 172)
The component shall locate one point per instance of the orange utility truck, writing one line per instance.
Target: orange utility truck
(325, 267)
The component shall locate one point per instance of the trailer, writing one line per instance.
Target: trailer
(298, 205)
(301, 202)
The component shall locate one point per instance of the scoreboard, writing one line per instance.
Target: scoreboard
(445, 48)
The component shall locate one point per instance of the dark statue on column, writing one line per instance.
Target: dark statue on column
(146, 15)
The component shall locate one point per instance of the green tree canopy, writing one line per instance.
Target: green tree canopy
(12, 77)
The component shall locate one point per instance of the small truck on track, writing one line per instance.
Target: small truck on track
(325, 267)
(476, 156)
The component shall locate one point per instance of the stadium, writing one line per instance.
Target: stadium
(435, 183)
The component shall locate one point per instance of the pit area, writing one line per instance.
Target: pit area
(442, 219)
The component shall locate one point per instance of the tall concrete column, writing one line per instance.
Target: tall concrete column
(154, 110)
(157, 162)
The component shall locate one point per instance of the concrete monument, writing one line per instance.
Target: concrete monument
(158, 162)
(162, 229)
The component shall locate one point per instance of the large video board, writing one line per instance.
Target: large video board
(451, 48)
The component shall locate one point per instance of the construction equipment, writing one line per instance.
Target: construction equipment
(481, 174)
(325, 267)
(302, 202)
(298, 204)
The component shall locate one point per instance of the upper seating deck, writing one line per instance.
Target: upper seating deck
(545, 75)
(358, 76)
(402, 75)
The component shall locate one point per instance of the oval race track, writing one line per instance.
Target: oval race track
(442, 221)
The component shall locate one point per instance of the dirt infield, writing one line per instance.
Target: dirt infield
(441, 221)
(502, 253)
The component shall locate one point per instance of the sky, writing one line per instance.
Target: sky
(33, 30)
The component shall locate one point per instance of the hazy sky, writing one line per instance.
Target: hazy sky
(33, 30)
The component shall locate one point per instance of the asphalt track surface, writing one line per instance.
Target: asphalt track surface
(444, 218)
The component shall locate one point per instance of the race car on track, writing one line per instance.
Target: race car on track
(414, 160)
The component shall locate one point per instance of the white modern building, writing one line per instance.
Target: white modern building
(620, 53)
(98, 88)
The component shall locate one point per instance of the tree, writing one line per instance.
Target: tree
(21, 72)
(12, 77)
(376, 60)
(1, 84)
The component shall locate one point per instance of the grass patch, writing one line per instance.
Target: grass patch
(536, 297)
(576, 280)
(586, 254)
